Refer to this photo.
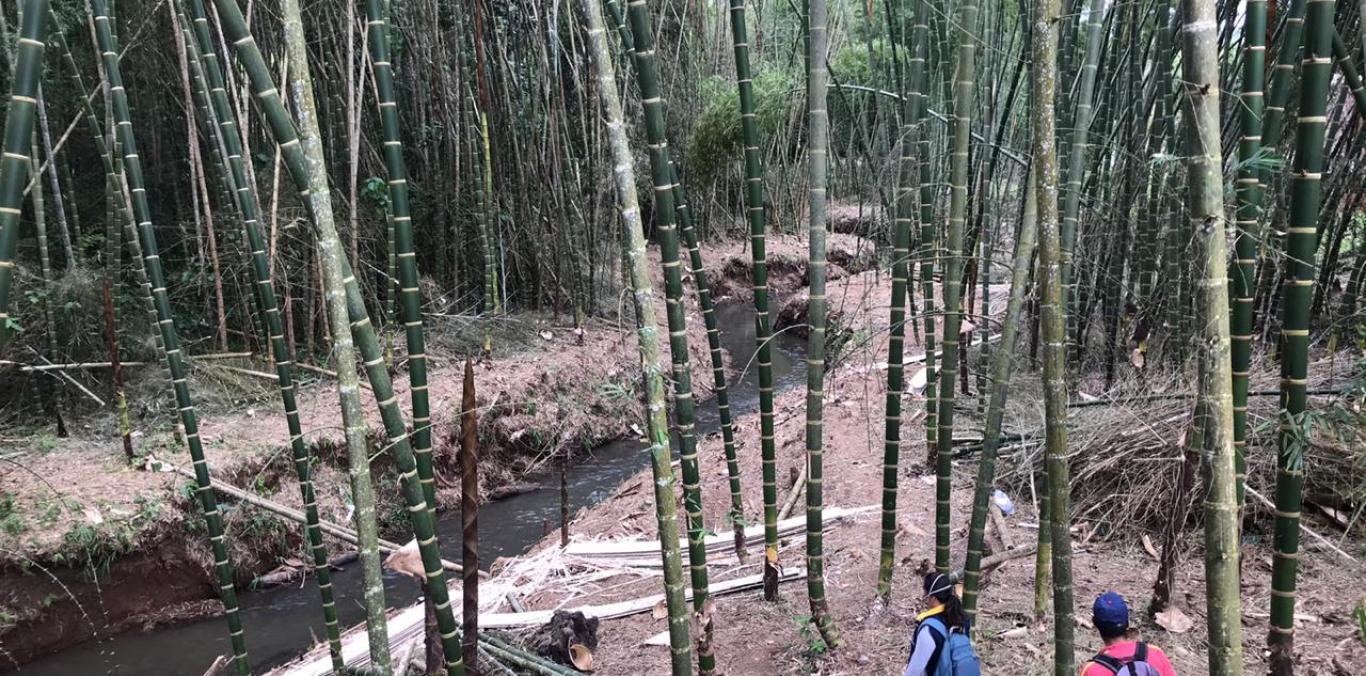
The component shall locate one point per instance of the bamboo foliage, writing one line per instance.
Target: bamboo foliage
(287, 138)
(170, 338)
(642, 296)
(1296, 300)
(14, 165)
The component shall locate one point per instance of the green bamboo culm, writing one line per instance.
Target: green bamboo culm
(920, 37)
(286, 136)
(904, 204)
(402, 223)
(763, 331)
(1082, 116)
(1348, 68)
(170, 338)
(200, 45)
(1301, 244)
(1000, 388)
(661, 173)
(959, 139)
(14, 165)
(1282, 82)
(1249, 195)
(1052, 325)
(647, 338)
(1205, 204)
(818, 145)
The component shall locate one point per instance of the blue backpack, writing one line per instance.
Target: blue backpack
(956, 658)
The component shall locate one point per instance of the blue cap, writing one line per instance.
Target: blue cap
(1110, 613)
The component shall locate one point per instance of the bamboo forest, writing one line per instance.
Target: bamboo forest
(624, 337)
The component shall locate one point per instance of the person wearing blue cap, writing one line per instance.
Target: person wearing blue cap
(1121, 655)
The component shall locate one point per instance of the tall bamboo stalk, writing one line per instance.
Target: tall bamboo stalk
(1053, 326)
(763, 332)
(648, 81)
(1000, 389)
(818, 145)
(14, 164)
(1296, 300)
(58, 204)
(1200, 80)
(960, 139)
(1249, 194)
(1076, 162)
(469, 515)
(402, 223)
(891, 445)
(642, 296)
(170, 338)
(929, 237)
(300, 170)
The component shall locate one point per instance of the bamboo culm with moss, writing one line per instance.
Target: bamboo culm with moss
(1205, 204)
(647, 79)
(1000, 389)
(763, 331)
(170, 338)
(960, 130)
(1053, 326)
(300, 168)
(647, 339)
(201, 49)
(818, 147)
(14, 165)
(1301, 243)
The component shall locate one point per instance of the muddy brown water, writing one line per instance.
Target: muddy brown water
(282, 622)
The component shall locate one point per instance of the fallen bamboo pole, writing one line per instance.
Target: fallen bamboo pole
(1319, 538)
(93, 365)
(1120, 401)
(328, 528)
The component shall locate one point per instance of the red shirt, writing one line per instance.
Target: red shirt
(1124, 650)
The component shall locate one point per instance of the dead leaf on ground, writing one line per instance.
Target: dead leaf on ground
(1148, 546)
(1174, 621)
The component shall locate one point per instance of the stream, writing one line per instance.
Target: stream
(283, 621)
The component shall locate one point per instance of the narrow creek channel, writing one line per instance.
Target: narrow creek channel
(283, 621)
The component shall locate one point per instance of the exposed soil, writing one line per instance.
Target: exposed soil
(754, 637)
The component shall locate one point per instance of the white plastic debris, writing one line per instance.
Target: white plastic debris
(1003, 501)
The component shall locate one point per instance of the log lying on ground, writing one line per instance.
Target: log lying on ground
(337, 531)
(645, 553)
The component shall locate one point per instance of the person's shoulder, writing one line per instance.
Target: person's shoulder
(1158, 659)
(1090, 668)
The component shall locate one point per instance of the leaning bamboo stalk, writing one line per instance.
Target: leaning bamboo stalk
(648, 80)
(200, 51)
(1000, 379)
(300, 169)
(170, 338)
(638, 278)
(14, 164)
(402, 223)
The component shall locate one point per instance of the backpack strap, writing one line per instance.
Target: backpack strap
(1112, 664)
(939, 633)
(1141, 652)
